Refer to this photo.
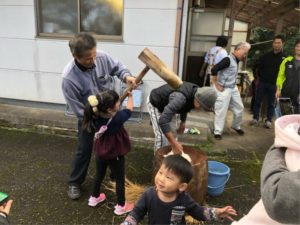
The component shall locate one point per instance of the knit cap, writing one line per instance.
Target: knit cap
(207, 97)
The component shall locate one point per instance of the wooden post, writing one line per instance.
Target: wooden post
(177, 35)
(244, 66)
(231, 25)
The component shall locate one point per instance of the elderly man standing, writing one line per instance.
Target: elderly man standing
(224, 79)
(89, 72)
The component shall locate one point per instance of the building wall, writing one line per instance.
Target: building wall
(30, 67)
(239, 34)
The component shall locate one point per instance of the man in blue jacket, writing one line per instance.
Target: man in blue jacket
(89, 72)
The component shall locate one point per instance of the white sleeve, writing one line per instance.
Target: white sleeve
(222, 54)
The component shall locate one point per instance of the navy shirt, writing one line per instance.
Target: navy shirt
(160, 212)
(116, 123)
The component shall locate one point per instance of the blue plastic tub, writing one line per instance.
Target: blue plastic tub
(218, 175)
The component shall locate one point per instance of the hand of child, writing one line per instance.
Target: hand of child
(226, 212)
(5, 208)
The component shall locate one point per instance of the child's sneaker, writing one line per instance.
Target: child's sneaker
(120, 210)
(95, 201)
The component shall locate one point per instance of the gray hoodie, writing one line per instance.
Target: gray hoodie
(280, 186)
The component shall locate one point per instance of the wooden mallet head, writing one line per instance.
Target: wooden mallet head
(154, 63)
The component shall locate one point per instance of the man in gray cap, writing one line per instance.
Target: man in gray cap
(164, 102)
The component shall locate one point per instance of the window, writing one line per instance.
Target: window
(57, 18)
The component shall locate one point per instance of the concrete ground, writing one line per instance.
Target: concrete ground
(37, 147)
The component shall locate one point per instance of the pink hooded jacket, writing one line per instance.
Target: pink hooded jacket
(286, 135)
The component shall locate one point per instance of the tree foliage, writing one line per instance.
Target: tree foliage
(261, 42)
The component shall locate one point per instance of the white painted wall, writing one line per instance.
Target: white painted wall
(30, 67)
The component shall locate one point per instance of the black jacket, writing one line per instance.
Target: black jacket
(269, 66)
(291, 85)
(170, 101)
(159, 97)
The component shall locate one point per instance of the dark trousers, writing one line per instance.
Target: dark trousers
(265, 89)
(117, 167)
(253, 92)
(206, 79)
(82, 157)
(297, 109)
(296, 103)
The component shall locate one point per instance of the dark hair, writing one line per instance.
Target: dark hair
(279, 36)
(180, 167)
(106, 100)
(81, 43)
(297, 41)
(222, 41)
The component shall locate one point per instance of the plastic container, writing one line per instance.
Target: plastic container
(218, 175)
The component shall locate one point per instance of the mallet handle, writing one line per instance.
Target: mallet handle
(137, 80)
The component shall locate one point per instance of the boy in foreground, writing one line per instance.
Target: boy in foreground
(167, 202)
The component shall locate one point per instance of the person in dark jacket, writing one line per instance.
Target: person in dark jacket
(165, 102)
(4, 212)
(90, 72)
(267, 72)
(288, 81)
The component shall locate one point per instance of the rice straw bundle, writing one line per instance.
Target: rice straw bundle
(190, 220)
(133, 191)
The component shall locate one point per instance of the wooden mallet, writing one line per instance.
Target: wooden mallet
(154, 63)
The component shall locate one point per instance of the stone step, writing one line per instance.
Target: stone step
(55, 122)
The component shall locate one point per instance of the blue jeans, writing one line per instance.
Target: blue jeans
(264, 89)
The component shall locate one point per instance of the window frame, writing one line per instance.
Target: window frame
(39, 34)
